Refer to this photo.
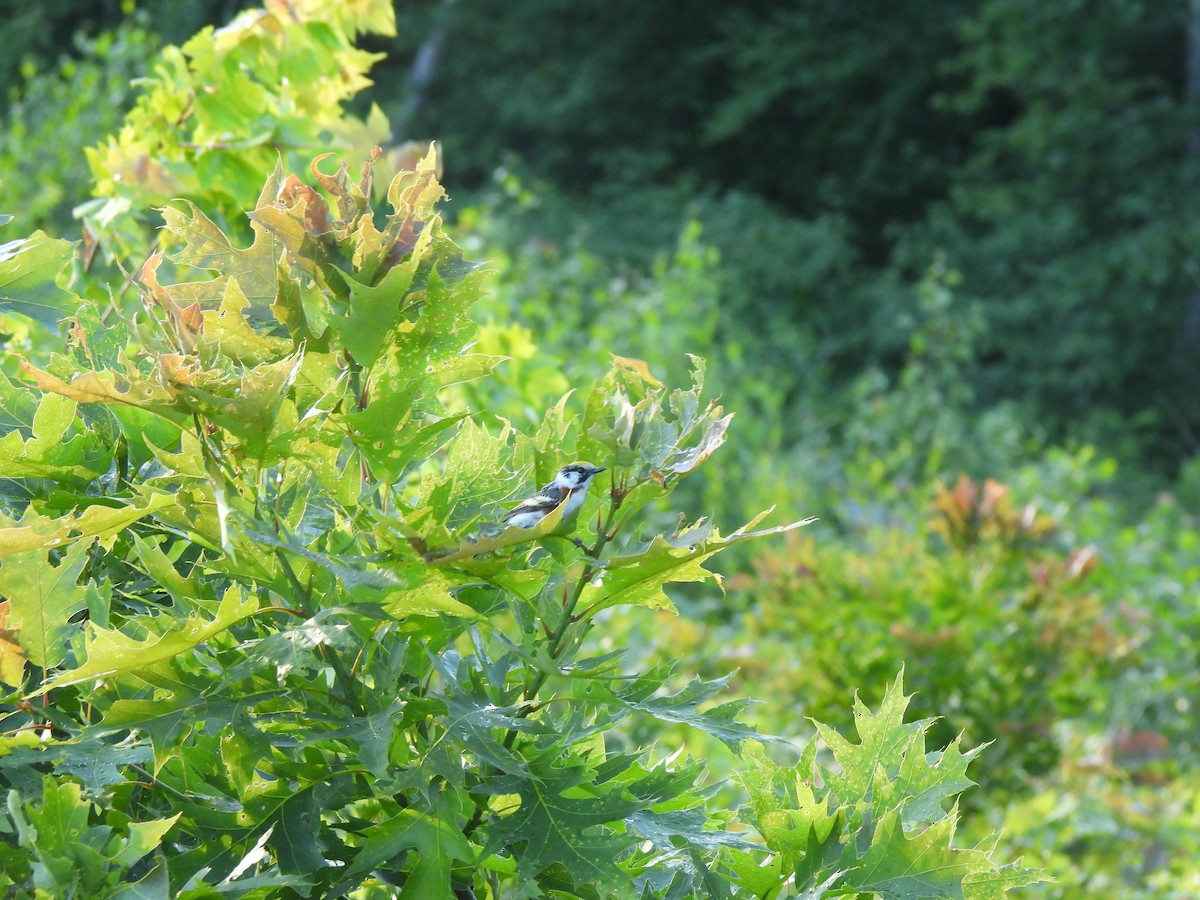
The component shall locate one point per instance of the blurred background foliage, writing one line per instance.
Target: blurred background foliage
(942, 263)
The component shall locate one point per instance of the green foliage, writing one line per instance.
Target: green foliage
(225, 106)
(833, 151)
(305, 631)
(977, 604)
(27, 270)
(1080, 283)
(60, 110)
(1048, 628)
(875, 821)
(60, 854)
(261, 632)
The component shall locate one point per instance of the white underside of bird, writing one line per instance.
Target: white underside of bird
(568, 489)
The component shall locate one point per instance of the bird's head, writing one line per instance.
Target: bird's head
(576, 475)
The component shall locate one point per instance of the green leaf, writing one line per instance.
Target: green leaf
(109, 652)
(18, 405)
(253, 408)
(12, 654)
(49, 453)
(432, 595)
(841, 829)
(143, 838)
(155, 885)
(227, 331)
(890, 762)
(390, 446)
(474, 716)
(96, 763)
(898, 866)
(438, 843)
(377, 310)
(564, 818)
(43, 532)
(994, 882)
(162, 720)
(298, 648)
(255, 268)
(360, 574)
(294, 839)
(474, 480)
(57, 826)
(434, 345)
(155, 563)
(107, 387)
(645, 694)
(43, 598)
(638, 579)
(786, 811)
(28, 268)
(757, 876)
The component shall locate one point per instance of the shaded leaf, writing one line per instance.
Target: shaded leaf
(560, 820)
(96, 763)
(438, 843)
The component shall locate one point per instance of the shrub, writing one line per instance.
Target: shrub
(262, 635)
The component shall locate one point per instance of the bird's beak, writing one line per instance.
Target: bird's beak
(596, 470)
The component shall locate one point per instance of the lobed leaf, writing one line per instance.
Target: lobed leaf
(42, 599)
(638, 579)
(34, 531)
(111, 652)
(56, 448)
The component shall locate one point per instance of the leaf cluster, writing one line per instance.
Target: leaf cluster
(223, 571)
(262, 634)
(222, 108)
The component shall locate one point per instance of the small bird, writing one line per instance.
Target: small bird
(569, 487)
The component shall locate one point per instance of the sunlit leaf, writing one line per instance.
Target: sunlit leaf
(638, 579)
(28, 268)
(34, 531)
(43, 598)
(49, 452)
(12, 654)
(110, 652)
(104, 387)
(207, 247)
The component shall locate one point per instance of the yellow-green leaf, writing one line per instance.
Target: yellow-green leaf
(42, 600)
(111, 652)
(34, 531)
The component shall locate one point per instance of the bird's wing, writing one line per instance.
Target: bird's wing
(544, 502)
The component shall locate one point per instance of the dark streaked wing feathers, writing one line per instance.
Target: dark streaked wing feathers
(544, 501)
